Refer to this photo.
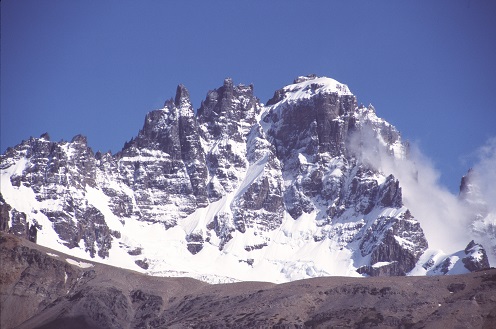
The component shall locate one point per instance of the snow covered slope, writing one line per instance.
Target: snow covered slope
(303, 186)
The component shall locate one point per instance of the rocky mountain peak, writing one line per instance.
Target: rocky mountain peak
(227, 109)
(301, 79)
(182, 97)
(467, 187)
(228, 83)
(307, 87)
(471, 194)
(314, 115)
(45, 136)
(80, 139)
(278, 192)
(476, 257)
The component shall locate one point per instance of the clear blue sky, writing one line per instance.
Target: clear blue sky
(97, 67)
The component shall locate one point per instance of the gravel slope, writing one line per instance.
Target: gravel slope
(39, 288)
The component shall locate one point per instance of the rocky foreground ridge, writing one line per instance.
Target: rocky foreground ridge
(238, 190)
(43, 288)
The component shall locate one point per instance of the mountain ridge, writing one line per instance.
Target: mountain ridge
(299, 187)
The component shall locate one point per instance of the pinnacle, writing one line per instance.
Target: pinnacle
(182, 95)
(228, 82)
(45, 136)
(79, 139)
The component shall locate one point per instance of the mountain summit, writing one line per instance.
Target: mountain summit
(292, 189)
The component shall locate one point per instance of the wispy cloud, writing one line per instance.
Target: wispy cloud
(482, 198)
(485, 170)
(442, 216)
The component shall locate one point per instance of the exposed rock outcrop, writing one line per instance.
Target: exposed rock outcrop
(476, 258)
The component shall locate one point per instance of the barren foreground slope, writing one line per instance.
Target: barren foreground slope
(42, 288)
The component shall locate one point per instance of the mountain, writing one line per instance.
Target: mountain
(43, 288)
(483, 221)
(305, 185)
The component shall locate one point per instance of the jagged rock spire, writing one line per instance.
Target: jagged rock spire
(182, 96)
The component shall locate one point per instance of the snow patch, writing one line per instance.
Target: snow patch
(307, 89)
(381, 264)
(78, 263)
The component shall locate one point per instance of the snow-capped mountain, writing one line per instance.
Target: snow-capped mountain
(300, 187)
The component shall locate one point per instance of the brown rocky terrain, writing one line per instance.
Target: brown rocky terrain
(43, 288)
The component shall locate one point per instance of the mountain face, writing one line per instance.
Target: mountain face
(238, 191)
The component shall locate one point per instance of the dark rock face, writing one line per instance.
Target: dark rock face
(260, 205)
(445, 266)
(53, 172)
(30, 278)
(225, 119)
(235, 141)
(466, 187)
(476, 258)
(95, 231)
(142, 263)
(165, 164)
(223, 227)
(364, 193)
(318, 124)
(15, 222)
(402, 242)
(195, 243)
(192, 152)
(228, 111)
(5, 209)
(21, 227)
(19, 224)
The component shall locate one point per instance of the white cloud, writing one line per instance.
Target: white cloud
(482, 200)
(442, 216)
(485, 170)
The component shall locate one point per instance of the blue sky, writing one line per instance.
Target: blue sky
(97, 67)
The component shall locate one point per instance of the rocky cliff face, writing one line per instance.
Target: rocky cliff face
(57, 175)
(164, 167)
(225, 119)
(282, 191)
